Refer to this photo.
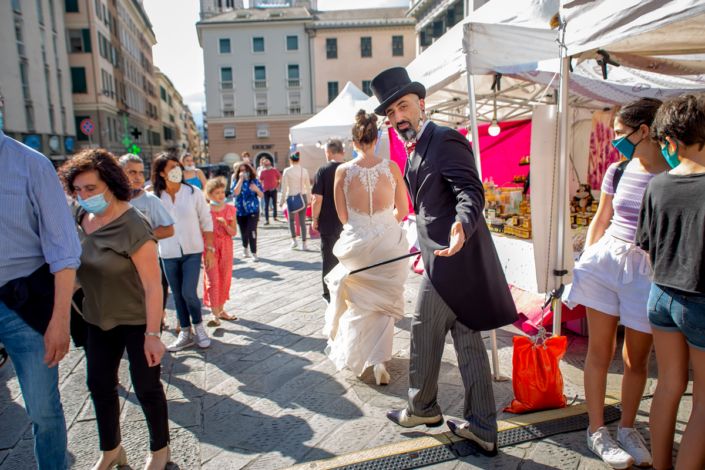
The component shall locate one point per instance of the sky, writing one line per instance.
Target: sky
(178, 54)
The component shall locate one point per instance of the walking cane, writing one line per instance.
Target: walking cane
(382, 263)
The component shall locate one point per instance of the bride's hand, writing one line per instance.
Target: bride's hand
(457, 240)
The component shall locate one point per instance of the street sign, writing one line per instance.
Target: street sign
(87, 126)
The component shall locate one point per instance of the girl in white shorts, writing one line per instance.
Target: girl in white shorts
(611, 280)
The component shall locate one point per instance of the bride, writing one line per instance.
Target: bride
(371, 200)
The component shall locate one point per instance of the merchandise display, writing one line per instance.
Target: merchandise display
(507, 209)
(582, 207)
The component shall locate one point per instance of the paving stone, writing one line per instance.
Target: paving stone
(20, 457)
(228, 459)
(15, 423)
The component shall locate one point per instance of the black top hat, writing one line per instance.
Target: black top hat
(391, 85)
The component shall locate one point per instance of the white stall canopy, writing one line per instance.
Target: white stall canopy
(636, 27)
(334, 121)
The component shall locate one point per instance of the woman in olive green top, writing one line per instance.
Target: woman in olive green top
(120, 277)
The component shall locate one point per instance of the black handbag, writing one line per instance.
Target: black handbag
(32, 297)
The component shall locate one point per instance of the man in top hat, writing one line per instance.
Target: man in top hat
(463, 289)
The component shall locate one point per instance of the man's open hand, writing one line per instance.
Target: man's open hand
(457, 240)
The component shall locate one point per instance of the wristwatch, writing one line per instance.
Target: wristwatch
(151, 333)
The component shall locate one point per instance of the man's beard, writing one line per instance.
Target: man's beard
(407, 134)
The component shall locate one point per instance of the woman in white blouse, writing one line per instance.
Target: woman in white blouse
(182, 252)
(295, 181)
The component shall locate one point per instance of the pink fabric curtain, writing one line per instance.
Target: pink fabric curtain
(500, 154)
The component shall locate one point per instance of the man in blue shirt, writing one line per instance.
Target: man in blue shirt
(37, 230)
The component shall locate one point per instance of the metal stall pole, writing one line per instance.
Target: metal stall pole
(472, 104)
(559, 270)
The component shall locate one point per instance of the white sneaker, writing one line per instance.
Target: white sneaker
(304, 246)
(202, 339)
(246, 253)
(602, 445)
(632, 442)
(255, 258)
(184, 340)
(294, 245)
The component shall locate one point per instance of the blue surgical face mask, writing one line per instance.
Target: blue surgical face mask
(625, 146)
(94, 204)
(216, 203)
(671, 158)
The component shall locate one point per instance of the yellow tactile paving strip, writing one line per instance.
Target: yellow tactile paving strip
(445, 438)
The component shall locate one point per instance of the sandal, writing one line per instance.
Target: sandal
(226, 317)
(214, 321)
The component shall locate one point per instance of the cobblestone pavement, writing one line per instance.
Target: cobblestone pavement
(265, 396)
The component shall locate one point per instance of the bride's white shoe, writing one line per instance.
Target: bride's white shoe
(381, 375)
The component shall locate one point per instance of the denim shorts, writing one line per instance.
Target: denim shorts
(672, 310)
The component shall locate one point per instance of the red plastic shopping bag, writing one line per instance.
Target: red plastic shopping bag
(536, 375)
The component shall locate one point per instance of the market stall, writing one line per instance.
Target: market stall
(480, 55)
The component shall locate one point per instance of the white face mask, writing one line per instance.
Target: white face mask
(175, 175)
(190, 168)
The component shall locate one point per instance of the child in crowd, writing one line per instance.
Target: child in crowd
(672, 230)
(216, 280)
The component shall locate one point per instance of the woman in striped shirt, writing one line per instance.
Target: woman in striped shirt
(611, 280)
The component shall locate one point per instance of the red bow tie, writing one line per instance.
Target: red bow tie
(410, 146)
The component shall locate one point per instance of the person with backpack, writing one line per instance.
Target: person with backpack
(611, 280)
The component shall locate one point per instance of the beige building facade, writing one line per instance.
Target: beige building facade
(35, 79)
(113, 77)
(258, 81)
(355, 45)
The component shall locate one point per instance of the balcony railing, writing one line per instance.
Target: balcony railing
(293, 83)
(226, 85)
(260, 84)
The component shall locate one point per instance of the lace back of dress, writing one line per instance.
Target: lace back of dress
(369, 191)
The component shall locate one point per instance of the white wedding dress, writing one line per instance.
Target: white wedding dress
(359, 320)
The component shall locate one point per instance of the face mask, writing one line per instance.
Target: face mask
(175, 175)
(190, 168)
(94, 204)
(671, 158)
(216, 203)
(625, 146)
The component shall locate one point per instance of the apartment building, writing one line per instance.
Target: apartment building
(195, 144)
(355, 45)
(112, 75)
(35, 82)
(258, 80)
(435, 17)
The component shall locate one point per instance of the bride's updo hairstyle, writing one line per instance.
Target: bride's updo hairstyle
(364, 131)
